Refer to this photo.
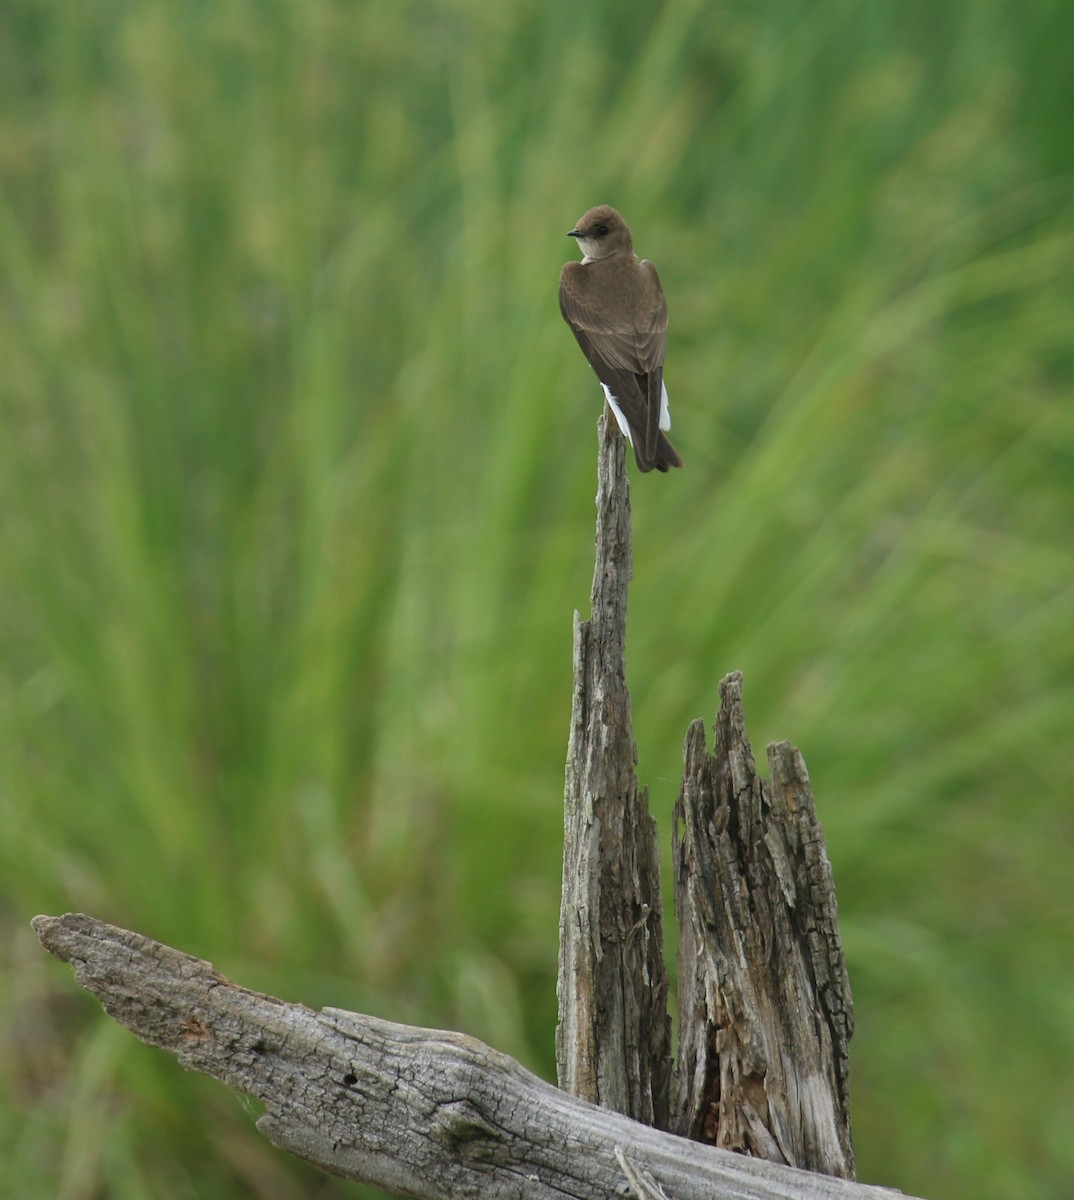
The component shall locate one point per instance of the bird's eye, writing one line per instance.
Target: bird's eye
(601, 230)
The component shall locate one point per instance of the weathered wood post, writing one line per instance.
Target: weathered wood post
(763, 998)
(613, 1042)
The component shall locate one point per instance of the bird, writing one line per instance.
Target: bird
(616, 309)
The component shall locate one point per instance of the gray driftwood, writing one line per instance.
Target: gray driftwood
(764, 1001)
(613, 1039)
(421, 1111)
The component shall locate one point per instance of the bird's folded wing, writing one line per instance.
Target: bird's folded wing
(632, 335)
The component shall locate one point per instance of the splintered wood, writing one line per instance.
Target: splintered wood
(764, 1001)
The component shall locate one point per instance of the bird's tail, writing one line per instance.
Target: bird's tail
(664, 456)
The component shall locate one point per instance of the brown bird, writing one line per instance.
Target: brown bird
(615, 307)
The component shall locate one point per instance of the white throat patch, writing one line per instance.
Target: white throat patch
(589, 249)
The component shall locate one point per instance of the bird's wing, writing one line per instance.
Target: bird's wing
(652, 334)
(652, 342)
(629, 336)
(608, 344)
(624, 343)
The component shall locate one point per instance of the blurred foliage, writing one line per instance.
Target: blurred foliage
(296, 473)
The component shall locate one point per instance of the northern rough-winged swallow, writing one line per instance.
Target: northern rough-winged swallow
(615, 306)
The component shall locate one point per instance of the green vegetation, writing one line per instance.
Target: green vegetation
(296, 472)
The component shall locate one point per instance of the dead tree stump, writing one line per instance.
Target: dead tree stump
(763, 997)
(614, 1034)
(764, 1001)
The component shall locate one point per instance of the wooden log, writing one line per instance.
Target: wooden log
(425, 1112)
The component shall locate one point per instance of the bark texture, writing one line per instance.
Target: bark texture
(433, 1114)
(613, 1038)
(764, 1001)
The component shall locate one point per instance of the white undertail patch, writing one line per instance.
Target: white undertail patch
(620, 420)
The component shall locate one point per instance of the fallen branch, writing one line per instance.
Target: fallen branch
(433, 1114)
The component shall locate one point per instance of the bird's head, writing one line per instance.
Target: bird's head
(602, 232)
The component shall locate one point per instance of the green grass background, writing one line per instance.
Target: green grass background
(296, 473)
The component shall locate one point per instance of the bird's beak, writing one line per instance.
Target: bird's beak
(575, 233)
